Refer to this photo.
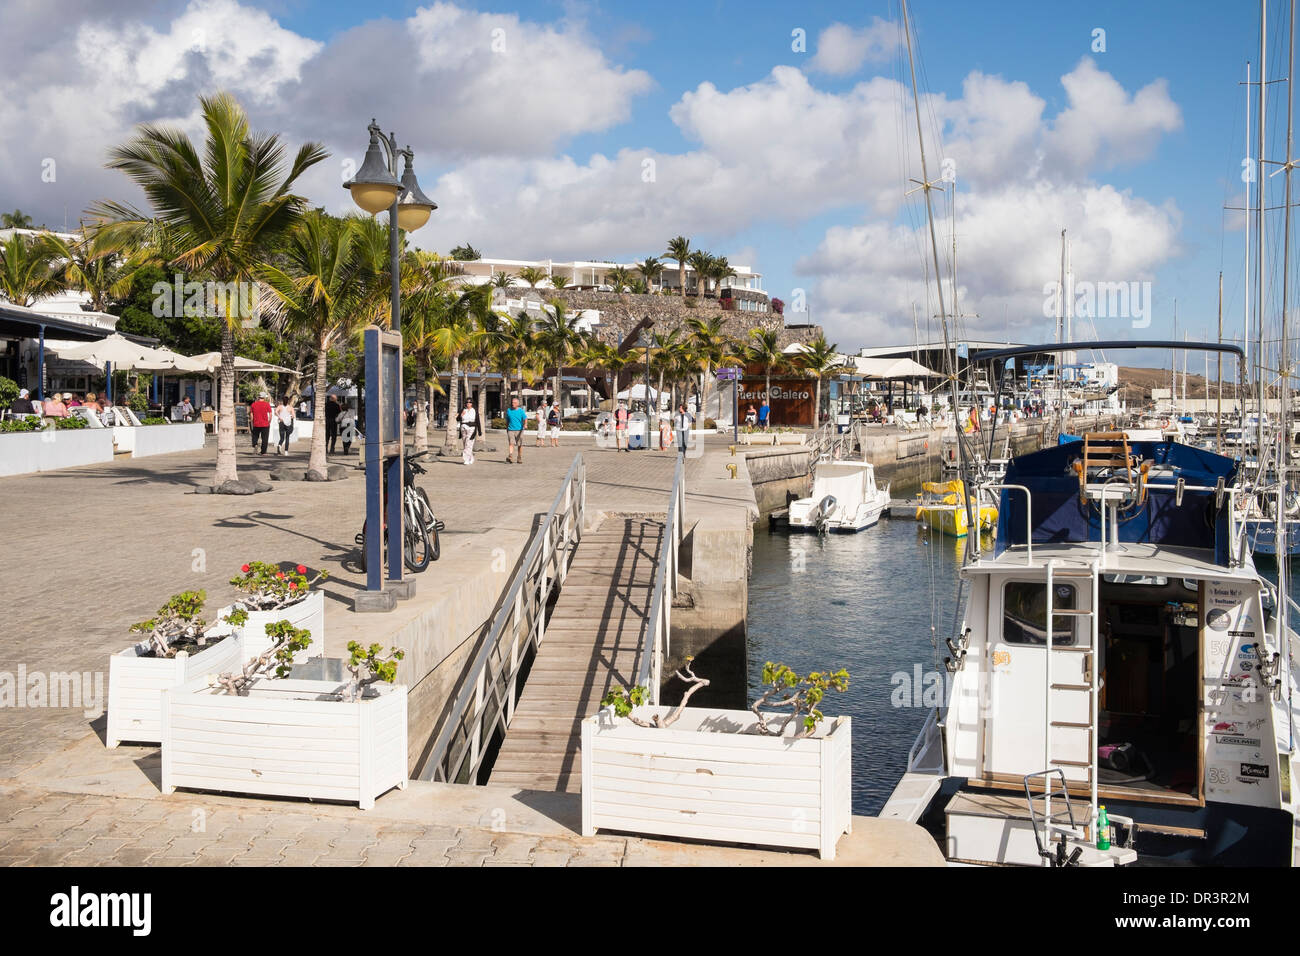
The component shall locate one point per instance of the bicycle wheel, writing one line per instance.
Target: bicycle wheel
(416, 550)
(430, 523)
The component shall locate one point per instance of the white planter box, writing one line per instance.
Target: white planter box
(163, 439)
(308, 613)
(22, 453)
(286, 738)
(705, 778)
(135, 685)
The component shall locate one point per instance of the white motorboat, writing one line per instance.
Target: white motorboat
(845, 497)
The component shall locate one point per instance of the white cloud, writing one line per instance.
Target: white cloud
(842, 50)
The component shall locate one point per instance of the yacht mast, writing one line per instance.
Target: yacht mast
(948, 357)
(1218, 413)
(1259, 245)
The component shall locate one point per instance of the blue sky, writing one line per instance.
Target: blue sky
(1143, 194)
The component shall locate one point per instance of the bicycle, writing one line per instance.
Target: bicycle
(420, 533)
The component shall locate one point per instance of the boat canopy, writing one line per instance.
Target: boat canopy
(1061, 516)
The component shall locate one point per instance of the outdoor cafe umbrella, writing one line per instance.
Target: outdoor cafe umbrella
(118, 352)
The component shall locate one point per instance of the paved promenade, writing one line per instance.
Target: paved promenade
(93, 549)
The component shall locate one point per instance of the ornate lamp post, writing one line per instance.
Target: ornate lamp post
(646, 341)
(376, 188)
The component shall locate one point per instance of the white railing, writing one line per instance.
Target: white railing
(658, 627)
(1029, 515)
(487, 698)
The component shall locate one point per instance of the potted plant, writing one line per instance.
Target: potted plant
(271, 593)
(178, 646)
(259, 730)
(778, 774)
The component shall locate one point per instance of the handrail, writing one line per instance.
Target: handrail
(658, 626)
(1029, 516)
(487, 698)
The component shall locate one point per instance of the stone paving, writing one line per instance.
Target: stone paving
(92, 549)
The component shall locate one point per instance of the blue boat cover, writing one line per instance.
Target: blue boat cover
(1063, 439)
(1059, 515)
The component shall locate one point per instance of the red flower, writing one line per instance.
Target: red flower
(293, 585)
(279, 574)
(302, 569)
(244, 569)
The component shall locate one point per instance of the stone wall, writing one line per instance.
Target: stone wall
(620, 313)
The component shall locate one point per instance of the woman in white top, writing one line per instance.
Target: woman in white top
(541, 424)
(468, 428)
(284, 415)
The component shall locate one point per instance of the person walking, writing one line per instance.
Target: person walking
(541, 424)
(665, 430)
(468, 429)
(683, 421)
(751, 416)
(332, 409)
(764, 413)
(284, 418)
(620, 427)
(553, 424)
(516, 418)
(259, 418)
(347, 423)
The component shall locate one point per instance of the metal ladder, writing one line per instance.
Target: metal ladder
(1088, 686)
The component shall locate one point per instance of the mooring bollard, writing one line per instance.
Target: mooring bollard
(732, 469)
(733, 450)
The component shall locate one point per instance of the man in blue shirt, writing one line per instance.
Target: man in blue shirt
(764, 411)
(515, 419)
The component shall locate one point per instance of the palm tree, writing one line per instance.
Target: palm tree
(518, 348)
(225, 208)
(29, 269)
(558, 337)
(679, 249)
(618, 277)
(710, 347)
(488, 341)
(765, 350)
(719, 270)
(532, 275)
(701, 262)
(651, 269)
(317, 285)
(97, 267)
(15, 220)
(820, 360)
(424, 311)
(665, 346)
(454, 338)
(559, 281)
(502, 280)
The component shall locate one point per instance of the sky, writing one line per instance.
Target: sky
(781, 135)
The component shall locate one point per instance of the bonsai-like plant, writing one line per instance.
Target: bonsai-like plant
(269, 589)
(623, 701)
(370, 662)
(785, 688)
(286, 641)
(177, 625)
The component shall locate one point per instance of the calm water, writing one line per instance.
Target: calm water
(864, 602)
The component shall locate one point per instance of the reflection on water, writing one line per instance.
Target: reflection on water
(865, 602)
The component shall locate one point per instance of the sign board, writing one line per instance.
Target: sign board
(383, 391)
(963, 350)
(728, 373)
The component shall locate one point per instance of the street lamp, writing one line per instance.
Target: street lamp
(375, 188)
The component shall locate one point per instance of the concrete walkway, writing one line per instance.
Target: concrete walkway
(93, 549)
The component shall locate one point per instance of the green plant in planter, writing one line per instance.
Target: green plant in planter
(286, 641)
(785, 688)
(137, 401)
(268, 588)
(22, 425)
(371, 662)
(624, 700)
(8, 391)
(153, 420)
(71, 423)
(177, 625)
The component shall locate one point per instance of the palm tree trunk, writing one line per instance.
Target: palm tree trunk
(226, 466)
(453, 405)
(316, 462)
(817, 404)
(767, 393)
(681, 277)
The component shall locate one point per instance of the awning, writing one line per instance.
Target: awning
(123, 353)
(886, 368)
(211, 363)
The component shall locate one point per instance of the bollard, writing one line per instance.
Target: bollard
(733, 450)
(732, 469)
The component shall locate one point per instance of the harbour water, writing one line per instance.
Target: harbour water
(865, 602)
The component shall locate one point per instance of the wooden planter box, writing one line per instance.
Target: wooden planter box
(709, 777)
(136, 684)
(308, 613)
(287, 738)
